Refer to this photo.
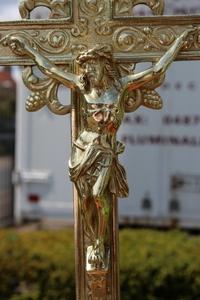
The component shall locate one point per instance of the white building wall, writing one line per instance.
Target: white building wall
(42, 151)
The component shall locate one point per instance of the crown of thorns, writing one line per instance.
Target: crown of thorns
(99, 51)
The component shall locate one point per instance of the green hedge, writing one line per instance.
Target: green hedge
(154, 265)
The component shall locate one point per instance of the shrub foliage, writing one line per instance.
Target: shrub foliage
(154, 265)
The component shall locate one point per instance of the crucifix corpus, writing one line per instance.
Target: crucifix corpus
(92, 47)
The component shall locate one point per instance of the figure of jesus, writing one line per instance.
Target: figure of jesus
(94, 166)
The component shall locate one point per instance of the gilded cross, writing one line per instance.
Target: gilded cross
(92, 46)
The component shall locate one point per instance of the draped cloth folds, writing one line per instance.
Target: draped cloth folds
(94, 168)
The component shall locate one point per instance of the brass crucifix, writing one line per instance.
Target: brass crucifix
(91, 47)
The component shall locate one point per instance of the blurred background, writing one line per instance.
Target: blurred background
(163, 170)
(161, 157)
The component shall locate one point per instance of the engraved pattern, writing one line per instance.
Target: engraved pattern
(80, 28)
(193, 42)
(59, 8)
(142, 97)
(125, 7)
(58, 39)
(127, 39)
(132, 100)
(97, 286)
(77, 48)
(103, 27)
(92, 7)
(53, 42)
(44, 92)
(146, 96)
(141, 42)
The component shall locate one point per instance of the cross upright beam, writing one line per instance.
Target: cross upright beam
(75, 27)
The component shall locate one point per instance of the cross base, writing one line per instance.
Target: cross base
(98, 288)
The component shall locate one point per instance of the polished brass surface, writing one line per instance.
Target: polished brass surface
(80, 24)
(92, 47)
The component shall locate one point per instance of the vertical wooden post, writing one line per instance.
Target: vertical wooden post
(114, 246)
(78, 224)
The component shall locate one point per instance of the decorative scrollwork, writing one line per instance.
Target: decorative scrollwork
(125, 7)
(193, 41)
(103, 27)
(92, 7)
(44, 92)
(80, 28)
(165, 36)
(54, 42)
(146, 96)
(59, 8)
(127, 39)
(78, 48)
(97, 285)
(132, 100)
(58, 39)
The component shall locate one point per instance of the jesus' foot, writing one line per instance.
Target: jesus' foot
(95, 257)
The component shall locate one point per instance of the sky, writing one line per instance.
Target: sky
(9, 9)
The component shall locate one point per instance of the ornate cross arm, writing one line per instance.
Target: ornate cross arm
(52, 40)
(45, 90)
(67, 33)
(146, 42)
(143, 39)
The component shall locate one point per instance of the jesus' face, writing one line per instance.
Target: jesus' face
(94, 70)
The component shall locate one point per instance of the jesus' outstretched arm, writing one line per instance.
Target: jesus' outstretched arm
(135, 81)
(21, 46)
